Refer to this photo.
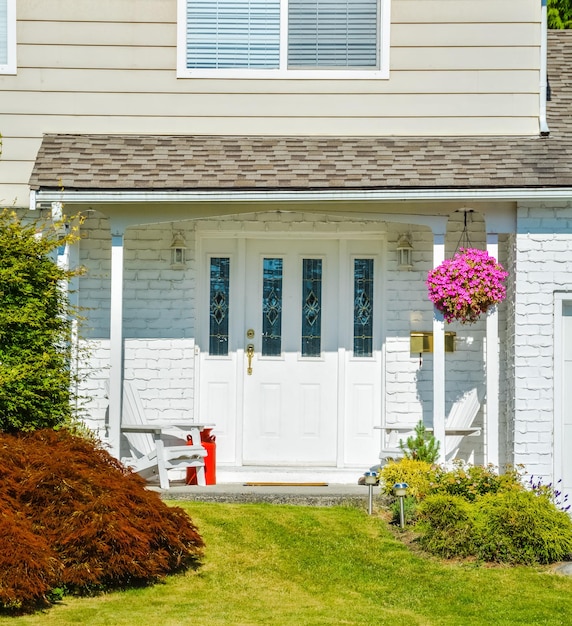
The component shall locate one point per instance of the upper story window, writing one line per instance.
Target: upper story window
(7, 36)
(283, 38)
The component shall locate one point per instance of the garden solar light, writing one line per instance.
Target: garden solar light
(400, 490)
(370, 481)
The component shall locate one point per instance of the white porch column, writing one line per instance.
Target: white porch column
(439, 357)
(67, 258)
(492, 371)
(116, 341)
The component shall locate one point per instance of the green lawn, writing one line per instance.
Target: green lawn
(298, 566)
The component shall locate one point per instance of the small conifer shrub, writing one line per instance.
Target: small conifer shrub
(88, 523)
(421, 447)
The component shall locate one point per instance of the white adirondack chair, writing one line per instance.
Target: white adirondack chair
(458, 425)
(150, 455)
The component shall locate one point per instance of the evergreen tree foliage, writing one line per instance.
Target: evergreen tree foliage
(35, 326)
(422, 446)
(559, 14)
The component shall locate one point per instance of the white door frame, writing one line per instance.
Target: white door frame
(557, 441)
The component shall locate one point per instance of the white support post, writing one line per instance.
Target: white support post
(73, 297)
(439, 357)
(492, 371)
(116, 343)
(67, 258)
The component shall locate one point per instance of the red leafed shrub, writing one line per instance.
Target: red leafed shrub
(95, 524)
(29, 568)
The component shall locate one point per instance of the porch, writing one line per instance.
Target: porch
(170, 371)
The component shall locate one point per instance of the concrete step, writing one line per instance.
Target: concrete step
(310, 495)
(288, 475)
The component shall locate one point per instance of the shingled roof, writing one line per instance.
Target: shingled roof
(160, 162)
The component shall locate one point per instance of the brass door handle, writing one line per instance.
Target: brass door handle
(249, 355)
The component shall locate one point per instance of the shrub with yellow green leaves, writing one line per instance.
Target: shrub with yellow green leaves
(419, 476)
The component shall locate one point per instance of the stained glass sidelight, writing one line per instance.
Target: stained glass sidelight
(219, 306)
(272, 307)
(363, 307)
(311, 307)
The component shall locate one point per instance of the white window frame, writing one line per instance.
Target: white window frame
(283, 72)
(10, 66)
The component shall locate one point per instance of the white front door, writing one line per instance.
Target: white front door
(290, 399)
(290, 367)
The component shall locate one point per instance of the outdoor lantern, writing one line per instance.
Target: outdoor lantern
(178, 247)
(370, 481)
(404, 253)
(400, 490)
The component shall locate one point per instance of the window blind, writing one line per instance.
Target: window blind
(3, 32)
(333, 33)
(233, 34)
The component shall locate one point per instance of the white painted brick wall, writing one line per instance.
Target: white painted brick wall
(163, 372)
(94, 372)
(543, 245)
(94, 285)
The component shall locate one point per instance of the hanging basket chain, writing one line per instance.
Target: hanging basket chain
(464, 240)
(466, 286)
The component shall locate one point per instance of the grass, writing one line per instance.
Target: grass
(300, 566)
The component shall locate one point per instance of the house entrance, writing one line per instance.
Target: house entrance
(290, 363)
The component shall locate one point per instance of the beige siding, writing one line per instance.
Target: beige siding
(161, 82)
(463, 11)
(465, 35)
(283, 105)
(456, 67)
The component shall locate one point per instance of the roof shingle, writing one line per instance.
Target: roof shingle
(172, 162)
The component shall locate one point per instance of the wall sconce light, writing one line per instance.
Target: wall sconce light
(404, 253)
(178, 247)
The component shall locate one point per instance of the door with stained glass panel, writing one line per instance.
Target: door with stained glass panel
(290, 398)
(290, 350)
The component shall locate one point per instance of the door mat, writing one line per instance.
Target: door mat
(284, 484)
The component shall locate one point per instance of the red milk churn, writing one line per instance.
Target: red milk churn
(208, 441)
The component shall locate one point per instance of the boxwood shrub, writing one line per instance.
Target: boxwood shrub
(521, 527)
(447, 526)
(513, 527)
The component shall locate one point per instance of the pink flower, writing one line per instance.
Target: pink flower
(467, 285)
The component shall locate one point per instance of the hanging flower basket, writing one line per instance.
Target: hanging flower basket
(467, 285)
